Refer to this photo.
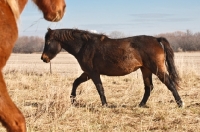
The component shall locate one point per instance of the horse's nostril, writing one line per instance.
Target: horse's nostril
(45, 58)
(42, 57)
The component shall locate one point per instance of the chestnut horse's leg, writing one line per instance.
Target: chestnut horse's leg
(10, 116)
(84, 77)
(97, 81)
(164, 78)
(148, 85)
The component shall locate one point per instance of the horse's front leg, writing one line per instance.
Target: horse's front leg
(10, 115)
(97, 81)
(84, 77)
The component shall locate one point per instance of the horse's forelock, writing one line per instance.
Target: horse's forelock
(54, 34)
(14, 7)
(41, 3)
(49, 34)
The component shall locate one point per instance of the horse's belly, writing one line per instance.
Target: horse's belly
(120, 69)
(119, 63)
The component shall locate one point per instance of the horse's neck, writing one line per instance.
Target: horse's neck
(72, 47)
(70, 43)
(17, 7)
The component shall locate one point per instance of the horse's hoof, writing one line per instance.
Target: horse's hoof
(142, 105)
(105, 105)
(182, 105)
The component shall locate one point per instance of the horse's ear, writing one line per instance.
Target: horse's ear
(49, 29)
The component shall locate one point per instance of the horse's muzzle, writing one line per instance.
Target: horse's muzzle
(45, 58)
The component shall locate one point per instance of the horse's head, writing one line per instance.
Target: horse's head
(53, 10)
(51, 48)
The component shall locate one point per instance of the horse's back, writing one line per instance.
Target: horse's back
(123, 56)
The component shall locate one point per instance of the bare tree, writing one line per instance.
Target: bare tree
(183, 41)
(27, 44)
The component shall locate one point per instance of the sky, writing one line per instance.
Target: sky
(131, 17)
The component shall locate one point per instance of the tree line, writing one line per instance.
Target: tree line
(29, 44)
(180, 41)
(183, 41)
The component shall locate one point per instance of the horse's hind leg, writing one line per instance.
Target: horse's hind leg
(10, 116)
(84, 77)
(164, 77)
(148, 85)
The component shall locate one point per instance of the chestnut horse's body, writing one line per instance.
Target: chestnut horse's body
(10, 10)
(99, 55)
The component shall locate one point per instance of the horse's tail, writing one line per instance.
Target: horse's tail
(171, 68)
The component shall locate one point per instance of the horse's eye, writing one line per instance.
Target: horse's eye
(48, 42)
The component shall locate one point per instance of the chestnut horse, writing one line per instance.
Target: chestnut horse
(10, 10)
(99, 55)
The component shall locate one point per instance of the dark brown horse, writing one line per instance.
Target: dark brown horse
(10, 10)
(99, 55)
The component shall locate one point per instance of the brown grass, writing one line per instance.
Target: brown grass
(44, 98)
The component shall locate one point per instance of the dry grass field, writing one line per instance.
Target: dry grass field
(44, 98)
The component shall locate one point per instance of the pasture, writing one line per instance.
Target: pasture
(44, 98)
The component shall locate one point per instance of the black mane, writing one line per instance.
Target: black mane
(72, 34)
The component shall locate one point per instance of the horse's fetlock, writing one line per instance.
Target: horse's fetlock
(73, 99)
(72, 96)
(180, 103)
